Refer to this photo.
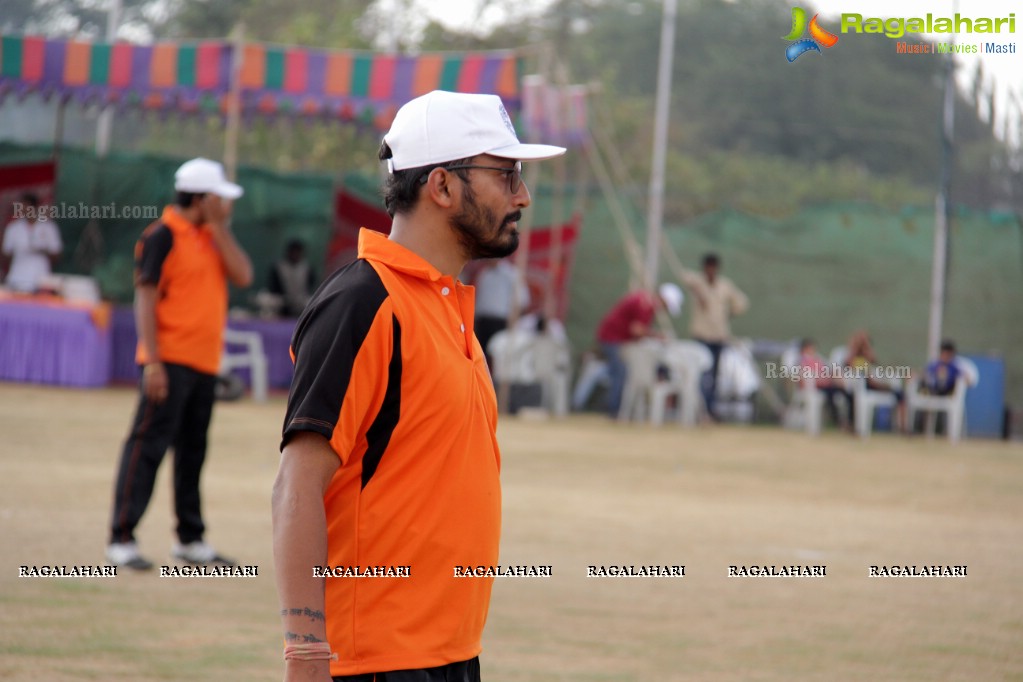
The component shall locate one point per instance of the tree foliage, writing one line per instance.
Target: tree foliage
(857, 122)
(851, 123)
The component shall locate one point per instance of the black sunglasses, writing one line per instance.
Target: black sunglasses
(514, 173)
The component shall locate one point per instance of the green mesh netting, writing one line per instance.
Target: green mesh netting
(823, 272)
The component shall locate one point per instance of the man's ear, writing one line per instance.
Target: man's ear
(440, 189)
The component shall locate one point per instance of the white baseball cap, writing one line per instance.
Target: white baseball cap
(445, 126)
(201, 176)
(672, 296)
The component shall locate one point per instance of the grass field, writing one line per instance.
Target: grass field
(576, 493)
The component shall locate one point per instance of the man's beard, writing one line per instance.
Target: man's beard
(475, 227)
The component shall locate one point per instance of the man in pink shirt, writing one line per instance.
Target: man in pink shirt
(630, 319)
(812, 367)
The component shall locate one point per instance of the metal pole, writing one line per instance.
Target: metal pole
(942, 213)
(234, 102)
(655, 209)
(105, 123)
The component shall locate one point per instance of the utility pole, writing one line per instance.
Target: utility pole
(942, 213)
(655, 206)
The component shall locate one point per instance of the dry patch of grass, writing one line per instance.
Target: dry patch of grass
(576, 493)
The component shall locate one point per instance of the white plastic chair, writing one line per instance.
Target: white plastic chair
(552, 363)
(953, 405)
(806, 402)
(686, 362)
(738, 381)
(525, 357)
(509, 350)
(865, 402)
(838, 356)
(252, 357)
(641, 359)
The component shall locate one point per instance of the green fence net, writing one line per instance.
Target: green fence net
(823, 272)
(830, 270)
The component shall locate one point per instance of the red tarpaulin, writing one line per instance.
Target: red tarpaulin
(37, 178)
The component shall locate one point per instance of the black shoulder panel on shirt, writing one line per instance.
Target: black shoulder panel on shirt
(153, 247)
(326, 341)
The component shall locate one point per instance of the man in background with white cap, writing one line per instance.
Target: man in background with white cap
(631, 319)
(390, 463)
(183, 263)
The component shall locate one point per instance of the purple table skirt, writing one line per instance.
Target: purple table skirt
(276, 342)
(52, 345)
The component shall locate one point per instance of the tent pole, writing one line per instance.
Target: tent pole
(105, 123)
(234, 105)
(550, 306)
(58, 130)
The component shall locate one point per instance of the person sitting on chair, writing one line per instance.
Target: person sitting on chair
(630, 319)
(860, 357)
(942, 374)
(812, 365)
(293, 279)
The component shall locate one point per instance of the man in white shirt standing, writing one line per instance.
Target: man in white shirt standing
(498, 291)
(716, 300)
(31, 246)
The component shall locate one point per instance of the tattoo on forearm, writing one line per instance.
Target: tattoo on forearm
(295, 637)
(306, 611)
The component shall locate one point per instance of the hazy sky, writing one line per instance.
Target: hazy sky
(1005, 69)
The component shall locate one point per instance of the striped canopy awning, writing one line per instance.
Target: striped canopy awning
(196, 77)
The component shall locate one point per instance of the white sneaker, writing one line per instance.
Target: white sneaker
(199, 552)
(127, 554)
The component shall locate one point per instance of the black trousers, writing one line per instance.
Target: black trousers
(463, 671)
(709, 380)
(181, 421)
(831, 394)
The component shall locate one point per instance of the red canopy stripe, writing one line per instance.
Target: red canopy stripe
(120, 65)
(296, 70)
(381, 79)
(469, 76)
(32, 58)
(207, 67)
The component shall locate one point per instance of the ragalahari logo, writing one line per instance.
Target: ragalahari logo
(818, 36)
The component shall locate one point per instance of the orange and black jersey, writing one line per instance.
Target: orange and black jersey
(388, 369)
(181, 260)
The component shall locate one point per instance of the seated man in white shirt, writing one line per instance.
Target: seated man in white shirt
(31, 246)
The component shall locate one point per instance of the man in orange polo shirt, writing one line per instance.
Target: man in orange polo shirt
(183, 263)
(389, 476)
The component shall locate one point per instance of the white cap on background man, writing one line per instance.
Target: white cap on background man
(202, 176)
